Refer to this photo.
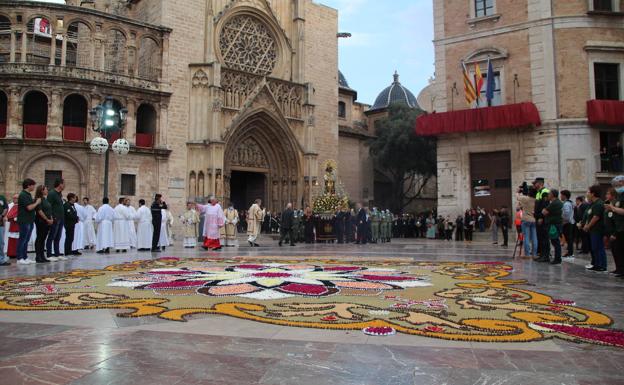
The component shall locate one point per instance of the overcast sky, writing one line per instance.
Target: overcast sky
(388, 35)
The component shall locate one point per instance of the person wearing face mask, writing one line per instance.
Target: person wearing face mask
(617, 208)
(595, 227)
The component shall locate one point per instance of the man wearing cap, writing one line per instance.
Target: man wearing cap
(617, 208)
(541, 202)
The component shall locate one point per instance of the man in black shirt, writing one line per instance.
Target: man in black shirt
(286, 225)
(69, 221)
(156, 208)
(504, 224)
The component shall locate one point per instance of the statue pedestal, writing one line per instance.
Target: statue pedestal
(325, 227)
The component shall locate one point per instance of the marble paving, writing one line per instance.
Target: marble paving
(95, 347)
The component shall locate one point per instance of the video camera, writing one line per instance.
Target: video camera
(524, 188)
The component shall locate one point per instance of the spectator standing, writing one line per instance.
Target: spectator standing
(70, 219)
(541, 201)
(527, 203)
(503, 214)
(595, 228)
(581, 236)
(459, 228)
(55, 197)
(4, 209)
(617, 208)
(569, 224)
(43, 220)
(552, 220)
(494, 222)
(25, 219)
(157, 206)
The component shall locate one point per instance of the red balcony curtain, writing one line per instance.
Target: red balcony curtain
(114, 137)
(3, 130)
(144, 140)
(605, 112)
(74, 134)
(479, 119)
(35, 131)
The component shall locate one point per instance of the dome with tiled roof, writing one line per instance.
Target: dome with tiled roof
(395, 93)
(342, 81)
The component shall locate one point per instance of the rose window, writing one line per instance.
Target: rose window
(247, 45)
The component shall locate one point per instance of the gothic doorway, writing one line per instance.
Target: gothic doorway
(261, 152)
(245, 187)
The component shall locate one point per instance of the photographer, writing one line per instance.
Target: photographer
(527, 203)
(553, 219)
(541, 201)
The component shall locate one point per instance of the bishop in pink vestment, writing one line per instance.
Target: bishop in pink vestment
(213, 220)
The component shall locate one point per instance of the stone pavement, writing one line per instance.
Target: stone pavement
(96, 347)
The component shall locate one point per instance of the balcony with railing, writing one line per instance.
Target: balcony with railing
(68, 42)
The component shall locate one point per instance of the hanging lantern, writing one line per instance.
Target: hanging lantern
(121, 146)
(99, 145)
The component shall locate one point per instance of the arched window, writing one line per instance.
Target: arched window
(5, 39)
(149, 59)
(39, 33)
(342, 110)
(75, 110)
(115, 58)
(79, 45)
(35, 116)
(4, 105)
(146, 121)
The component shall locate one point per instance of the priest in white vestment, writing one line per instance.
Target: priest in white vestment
(78, 243)
(167, 221)
(104, 219)
(88, 225)
(255, 216)
(145, 229)
(189, 220)
(231, 222)
(121, 232)
(213, 221)
(131, 224)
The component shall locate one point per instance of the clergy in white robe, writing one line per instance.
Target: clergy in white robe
(88, 224)
(255, 216)
(132, 224)
(121, 232)
(145, 229)
(167, 221)
(78, 243)
(213, 221)
(104, 219)
(231, 222)
(189, 220)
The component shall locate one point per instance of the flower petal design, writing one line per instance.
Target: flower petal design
(267, 294)
(387, 278)
(302, 289)
(220, 291)
(174, 285)
(364, 285)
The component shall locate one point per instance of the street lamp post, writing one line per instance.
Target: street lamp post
(107, 119)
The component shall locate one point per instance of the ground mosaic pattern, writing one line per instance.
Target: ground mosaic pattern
(448, 300)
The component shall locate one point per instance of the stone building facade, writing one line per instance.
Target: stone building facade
(557, 55)
(236, 98)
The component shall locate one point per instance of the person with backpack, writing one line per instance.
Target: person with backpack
(553, 221)
(569, 222)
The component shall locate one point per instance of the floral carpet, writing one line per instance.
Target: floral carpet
(448, 300)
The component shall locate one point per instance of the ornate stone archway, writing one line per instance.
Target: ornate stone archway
(261, 145)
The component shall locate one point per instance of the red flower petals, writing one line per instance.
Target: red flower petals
(434, 329)
(379, 331)
(329, 318)
(341, 268)
(387, 277)
(303, 289)
(611, 337)
(251, 267)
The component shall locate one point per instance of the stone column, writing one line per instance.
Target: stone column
(55, 113)
(130, 129)
(64, 51)
(24, 45)
(53, 48)
(164, 65)
(14, 129)
(160, 137)
(13, 46)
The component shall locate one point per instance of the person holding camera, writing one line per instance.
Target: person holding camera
(529, 233)
(541, 201)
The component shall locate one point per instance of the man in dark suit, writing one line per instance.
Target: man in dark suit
(70, 219)
(286, 226)
(156, 208)
(362, 225)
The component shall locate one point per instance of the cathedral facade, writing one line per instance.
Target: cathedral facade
(236, 98)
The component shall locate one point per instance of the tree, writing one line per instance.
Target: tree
(408, 160)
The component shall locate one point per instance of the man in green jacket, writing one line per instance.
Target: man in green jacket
(55, 197)
(70, 220)
(25, 219)
(553, 220)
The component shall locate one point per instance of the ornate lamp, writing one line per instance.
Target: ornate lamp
(107, 119)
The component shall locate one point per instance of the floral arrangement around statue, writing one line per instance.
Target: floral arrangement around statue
(333, 197)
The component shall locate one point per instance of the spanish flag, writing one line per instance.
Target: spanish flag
(478, 82)
(469, 89)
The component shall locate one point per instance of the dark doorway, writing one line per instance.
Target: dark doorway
(490, 174)
(245, 187)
